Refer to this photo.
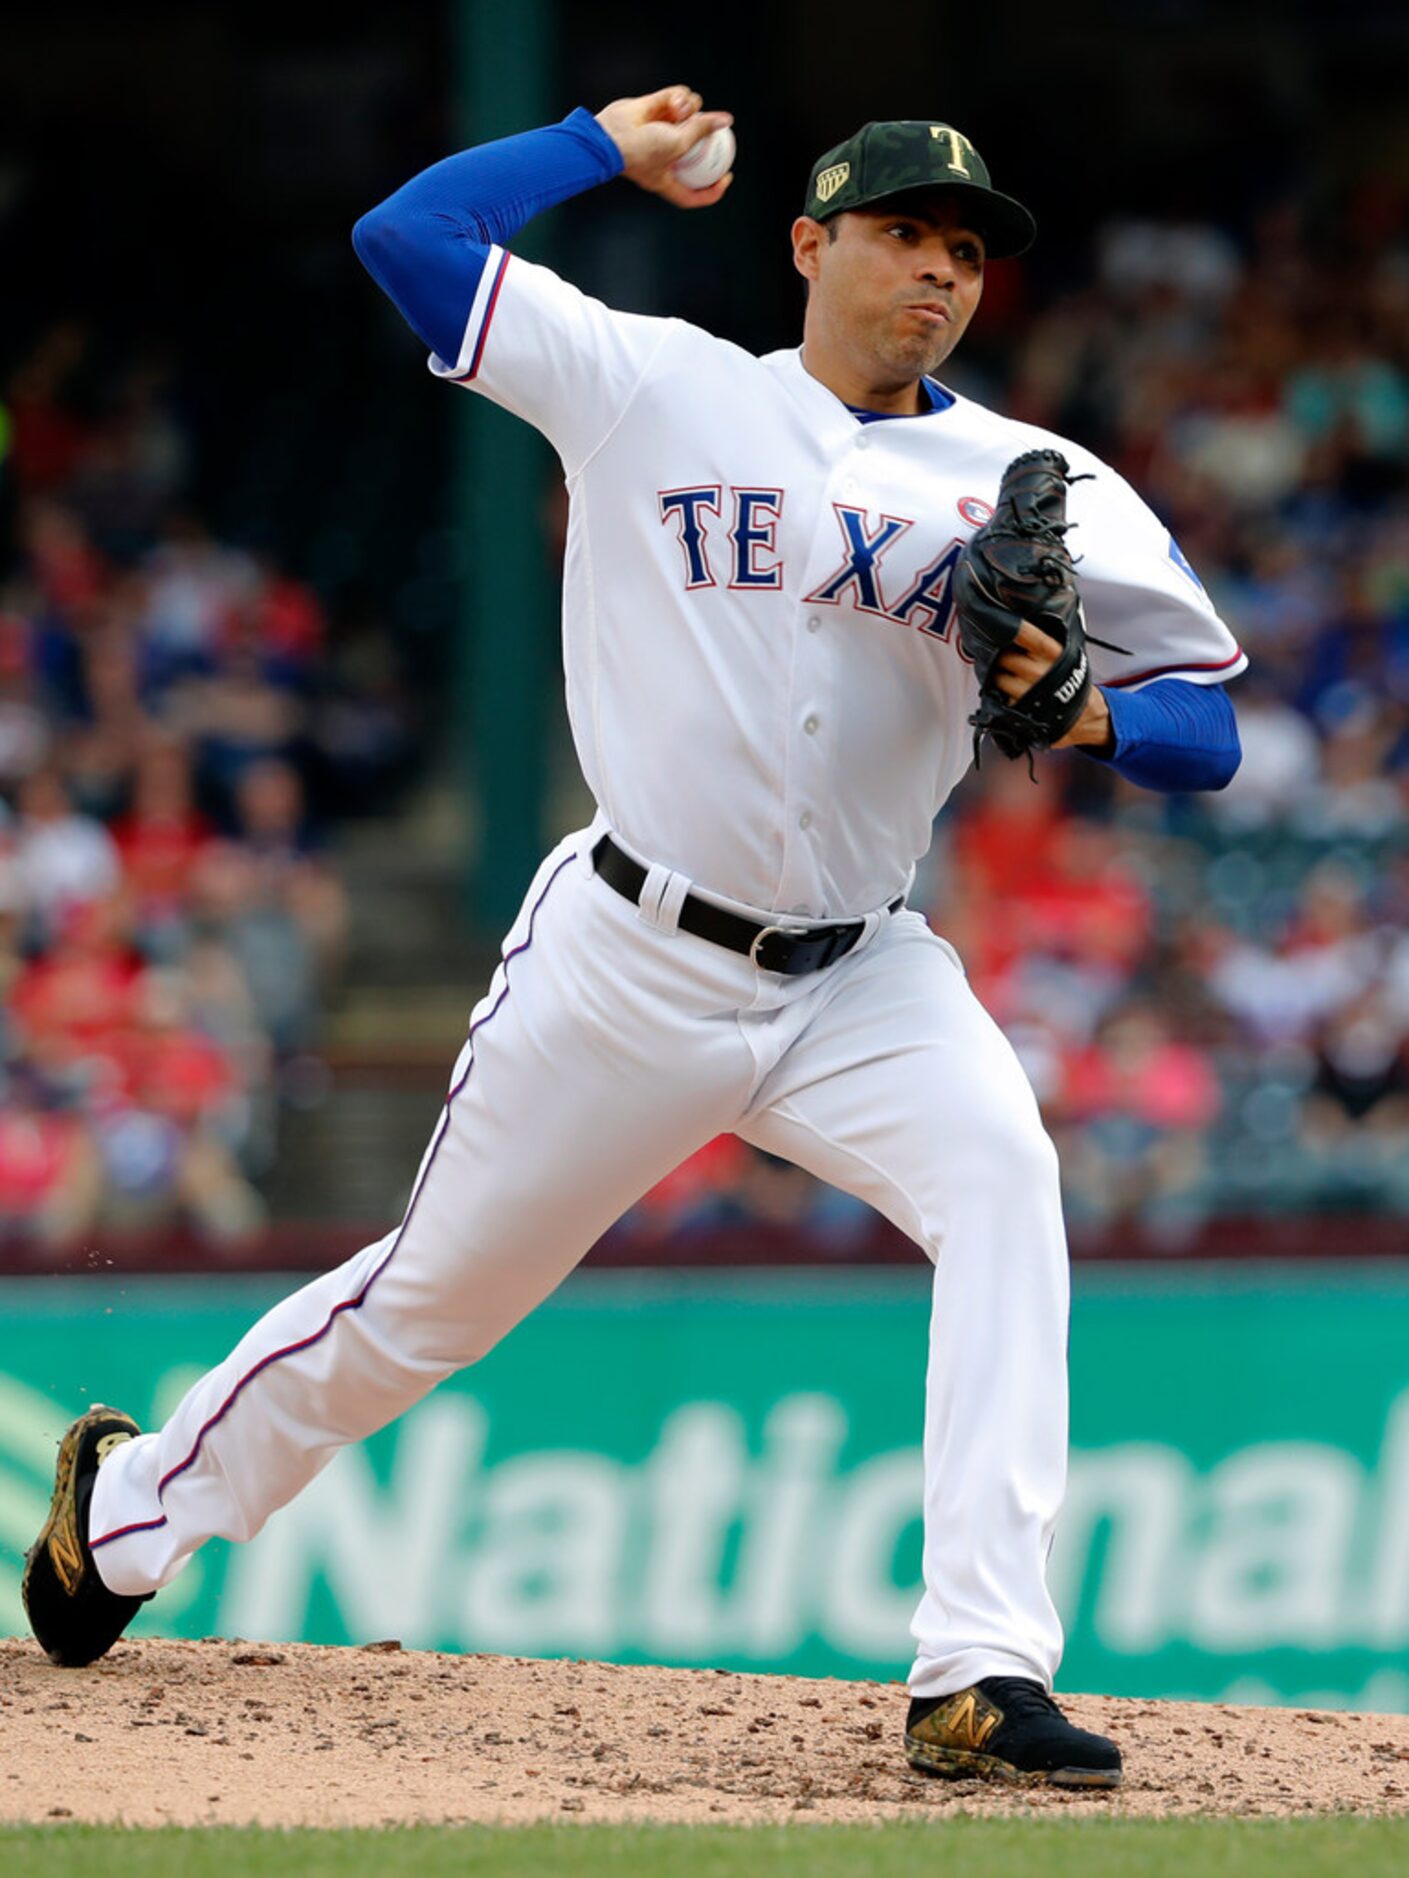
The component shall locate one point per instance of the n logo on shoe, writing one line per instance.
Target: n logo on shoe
(67, 1556)
(970, 1721)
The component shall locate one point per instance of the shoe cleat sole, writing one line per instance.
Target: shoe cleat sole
(965, 1764)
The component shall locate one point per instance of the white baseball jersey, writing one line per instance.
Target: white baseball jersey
(764, 679)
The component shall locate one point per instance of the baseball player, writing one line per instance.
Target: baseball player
(772, 694)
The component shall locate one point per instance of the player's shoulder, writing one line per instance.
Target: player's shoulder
(1102, 491)
(541, 288)
(1003, 437)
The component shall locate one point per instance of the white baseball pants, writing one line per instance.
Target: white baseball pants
(609, 1047)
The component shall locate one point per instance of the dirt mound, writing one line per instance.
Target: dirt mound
(283, 1734)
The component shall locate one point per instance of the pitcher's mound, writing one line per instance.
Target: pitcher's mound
(285, 1735)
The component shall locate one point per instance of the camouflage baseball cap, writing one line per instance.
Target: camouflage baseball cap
(887, 159)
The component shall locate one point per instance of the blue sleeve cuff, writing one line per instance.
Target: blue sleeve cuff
(1174, 736)
(583, 124)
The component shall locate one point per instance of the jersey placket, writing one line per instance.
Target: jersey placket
(810, 799)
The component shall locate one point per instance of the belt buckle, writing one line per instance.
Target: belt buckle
(769, 932)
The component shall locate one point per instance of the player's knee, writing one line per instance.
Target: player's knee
(1041, 1153)
(1028, 1154)
(1008, 1146)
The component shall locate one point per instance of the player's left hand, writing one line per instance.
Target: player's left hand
(654, 132)
(1035, 653)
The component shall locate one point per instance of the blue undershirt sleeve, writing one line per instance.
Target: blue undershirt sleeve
(426, 246)
(1174, 736)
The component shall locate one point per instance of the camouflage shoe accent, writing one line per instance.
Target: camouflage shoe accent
(1007, 1728)
(889, 159)
(71, 1611)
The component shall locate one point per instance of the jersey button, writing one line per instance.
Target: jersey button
(805, 819)
(814, 623)
(810, 724)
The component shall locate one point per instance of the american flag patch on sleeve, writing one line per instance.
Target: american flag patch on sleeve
(1182, 562)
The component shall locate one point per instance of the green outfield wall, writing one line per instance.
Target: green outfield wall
(724, 1468)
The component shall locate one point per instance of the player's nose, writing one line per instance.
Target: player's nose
(934, 263)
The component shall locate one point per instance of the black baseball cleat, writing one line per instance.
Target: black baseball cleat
(1007, 1728)
(70, 1610)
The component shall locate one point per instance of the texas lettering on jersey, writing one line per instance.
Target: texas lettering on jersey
(747, 552)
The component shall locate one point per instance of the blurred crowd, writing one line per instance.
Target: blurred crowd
(1210, 994)
(175, 725)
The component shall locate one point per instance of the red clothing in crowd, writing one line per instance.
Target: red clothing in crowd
(711, 1169)
(158, 854)
(1172, 1086)
(180, 1074)
(284, 621)
(35, 1149)
(69, 1004)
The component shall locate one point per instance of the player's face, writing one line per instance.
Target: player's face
(897, 286)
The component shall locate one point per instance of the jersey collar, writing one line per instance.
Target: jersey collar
(940, 400)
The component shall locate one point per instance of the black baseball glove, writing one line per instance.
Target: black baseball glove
(1017, 567)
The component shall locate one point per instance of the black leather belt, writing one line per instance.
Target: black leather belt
(790, 950)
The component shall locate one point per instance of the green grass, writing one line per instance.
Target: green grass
(1000, 1848)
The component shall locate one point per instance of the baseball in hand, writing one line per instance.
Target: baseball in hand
(711, 158)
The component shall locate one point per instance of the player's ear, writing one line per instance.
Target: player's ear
(808, 238)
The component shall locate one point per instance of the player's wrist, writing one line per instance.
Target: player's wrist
(617, 133)
(1094, 731)
(593, 132)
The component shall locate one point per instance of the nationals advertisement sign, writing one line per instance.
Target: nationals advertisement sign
(724, 1469)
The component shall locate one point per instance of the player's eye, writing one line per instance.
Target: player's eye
(968, 252)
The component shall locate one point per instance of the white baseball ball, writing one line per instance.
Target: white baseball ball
(711, 158)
